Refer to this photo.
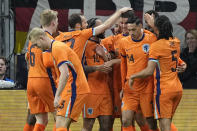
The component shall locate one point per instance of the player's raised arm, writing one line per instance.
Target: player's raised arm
(112, 20)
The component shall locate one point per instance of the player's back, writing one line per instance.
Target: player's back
(77, 81)
(166, 53)
(76, 40)
(34, 57)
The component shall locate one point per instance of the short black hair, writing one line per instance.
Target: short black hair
(128, 14)
(134, 20)
(74, 19)
(150, 12)
(164, 26)
(91, 22)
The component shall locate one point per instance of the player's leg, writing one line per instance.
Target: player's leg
(173, 127)
(165, 110)
(88, 124)
(105, 111)
(41, 121)
(141, 121)
(165, 124)
(146, 103)
(91, 111)
(69, 109)
(127, 118)
(105, 122)
(130, 104)
(40, 101)
(31, 120)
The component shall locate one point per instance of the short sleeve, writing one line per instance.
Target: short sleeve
(154, 52)
(87, 33)
(60, 54)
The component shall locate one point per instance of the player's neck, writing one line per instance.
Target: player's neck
(140, 37)
(77, 28)
(2, 77)
(48, 29)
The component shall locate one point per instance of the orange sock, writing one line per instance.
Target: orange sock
(144, 128)
(133, 128)
(129, 128)
(28, 127)
(54, 127)
(39, 127)
(173, 127)
(61, 129)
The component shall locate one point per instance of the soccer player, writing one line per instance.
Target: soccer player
(99, 104)
(134, 51)
(112, 44)
(163, 61)
(182, 65)
(78, 36)
(72, 88)
(38, 73)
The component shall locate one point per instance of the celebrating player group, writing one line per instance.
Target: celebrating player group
(131, 75)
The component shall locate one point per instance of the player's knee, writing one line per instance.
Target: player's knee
(31, 120)
(140, 120)
(105, 127)
(126, 122)
(88, 124)
(152, 123)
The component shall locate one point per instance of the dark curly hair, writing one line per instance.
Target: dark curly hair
(164, 26)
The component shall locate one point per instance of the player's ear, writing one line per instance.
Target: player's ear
(140, 25)
(78, 25)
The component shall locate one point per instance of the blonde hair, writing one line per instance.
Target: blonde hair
(47, 16)
(35, 33)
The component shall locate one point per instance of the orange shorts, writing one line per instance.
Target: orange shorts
(135, 101)
(165, 104)
(71, 106)
(40, 95)
(97, 105)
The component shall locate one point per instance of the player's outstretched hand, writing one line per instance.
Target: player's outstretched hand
(149, 19)
(56, 101)
(104, 68)
(181, 68)
(125, 9)
(131, 80)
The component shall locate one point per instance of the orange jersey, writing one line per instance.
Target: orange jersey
(97, 81)
(166, 54)
(135, 52)
(108, 43)
(76, 40)
(36, 66)
(77, 82)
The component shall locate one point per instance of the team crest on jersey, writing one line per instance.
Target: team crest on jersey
(145, 48)
(90, 111)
